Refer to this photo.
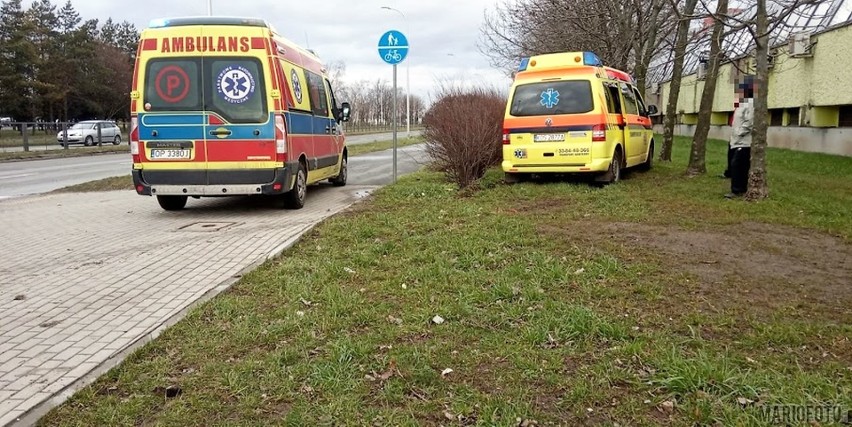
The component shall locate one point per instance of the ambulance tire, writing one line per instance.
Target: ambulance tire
(613, 175)
(295, 198)
(646, 166)
(340, 179)
(514, 178)
(172, 203)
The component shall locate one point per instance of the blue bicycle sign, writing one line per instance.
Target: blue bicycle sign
(393, 47)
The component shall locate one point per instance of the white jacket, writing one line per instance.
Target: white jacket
(743, 124)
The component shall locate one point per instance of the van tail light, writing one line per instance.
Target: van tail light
(280, 140)
(599, 133)
(505, 136)
(134, 139)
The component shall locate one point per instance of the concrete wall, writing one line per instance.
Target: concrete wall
(816, 140)
(814, 87)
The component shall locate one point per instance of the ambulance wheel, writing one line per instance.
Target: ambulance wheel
(172, 203)
(646, 166)
(295, 198)
(340, 179)
(613, 175)
(514, 178)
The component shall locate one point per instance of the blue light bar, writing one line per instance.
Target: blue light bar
(589, 58)
(158, 23)
(525, 62)
(207, 20)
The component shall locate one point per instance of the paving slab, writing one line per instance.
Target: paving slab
(85, 279)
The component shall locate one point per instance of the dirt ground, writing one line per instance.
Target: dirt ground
(766, 265)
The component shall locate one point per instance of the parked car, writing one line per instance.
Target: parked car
(86, 133)
(6, 121)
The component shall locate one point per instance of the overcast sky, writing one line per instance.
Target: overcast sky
(443, 34)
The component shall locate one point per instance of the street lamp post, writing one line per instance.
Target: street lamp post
(407, 78)
(209, 7)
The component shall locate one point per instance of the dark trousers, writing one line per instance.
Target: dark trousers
(740, 164)
(730, 159)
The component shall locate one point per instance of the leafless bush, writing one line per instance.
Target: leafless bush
(463, 130)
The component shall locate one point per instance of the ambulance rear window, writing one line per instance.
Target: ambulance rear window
(556, 97)
(231, 87)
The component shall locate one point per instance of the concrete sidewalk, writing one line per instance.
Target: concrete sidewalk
(87, 278)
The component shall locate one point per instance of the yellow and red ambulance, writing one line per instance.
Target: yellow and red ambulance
(224, 106)
(567, 113)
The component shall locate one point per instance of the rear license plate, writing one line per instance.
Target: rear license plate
(169, 154)
(549, 137)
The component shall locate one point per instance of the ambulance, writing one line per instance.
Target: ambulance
(568, 113)
(224, 106)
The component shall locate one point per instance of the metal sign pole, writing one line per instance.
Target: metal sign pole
(395, 114)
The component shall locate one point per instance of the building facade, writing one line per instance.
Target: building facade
(810, 94)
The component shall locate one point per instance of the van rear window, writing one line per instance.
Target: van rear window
(232, 87)
(556, 97)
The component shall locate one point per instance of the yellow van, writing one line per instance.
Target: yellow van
(224, 106)
(567, 113)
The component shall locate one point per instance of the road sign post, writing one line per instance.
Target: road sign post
(393, 48)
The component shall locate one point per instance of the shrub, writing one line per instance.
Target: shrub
(463, 130)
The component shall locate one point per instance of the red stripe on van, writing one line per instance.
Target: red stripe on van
(241, 150)
(149, 44)
(258, 43)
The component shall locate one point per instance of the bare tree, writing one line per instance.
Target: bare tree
(625, 34)
(758, 187)
(697, 164)
(670, 113)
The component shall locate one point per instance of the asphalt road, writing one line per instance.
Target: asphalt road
(41, 176)
(53, 145)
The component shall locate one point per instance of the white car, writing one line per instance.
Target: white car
(86, 133)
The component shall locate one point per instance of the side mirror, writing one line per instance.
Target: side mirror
(652, 110)
(345, 111)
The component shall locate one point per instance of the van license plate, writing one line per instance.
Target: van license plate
(169, 154)
(549, 137)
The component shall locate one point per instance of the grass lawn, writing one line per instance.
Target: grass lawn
(650, 302)
(60, 152)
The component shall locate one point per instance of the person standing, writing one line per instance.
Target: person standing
(740, 143)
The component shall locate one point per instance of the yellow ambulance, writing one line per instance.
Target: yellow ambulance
(224, 106)
(568, 113)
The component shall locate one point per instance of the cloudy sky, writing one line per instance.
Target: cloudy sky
(443, 34)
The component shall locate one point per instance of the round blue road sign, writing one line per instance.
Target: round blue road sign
(393, 47)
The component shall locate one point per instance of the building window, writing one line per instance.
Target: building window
(776, 117)
(845, 116)
(793, 114)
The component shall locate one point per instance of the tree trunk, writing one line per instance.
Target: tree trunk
(758, 189)
(677, 75)
(697, 165)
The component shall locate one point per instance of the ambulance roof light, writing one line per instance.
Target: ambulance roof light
(207, 20)
(525, 62)
(589, 58)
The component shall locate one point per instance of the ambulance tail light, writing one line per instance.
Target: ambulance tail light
(599, 133)
(134, 139)
(505, 136)
(280, 139)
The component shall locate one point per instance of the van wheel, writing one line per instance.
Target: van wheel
(89, 141)
(295, 198)
(613, 175)
(514, 178)
(172, 203)
(340, 179)
(649, 161)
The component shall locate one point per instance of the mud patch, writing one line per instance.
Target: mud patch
(761, 263)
